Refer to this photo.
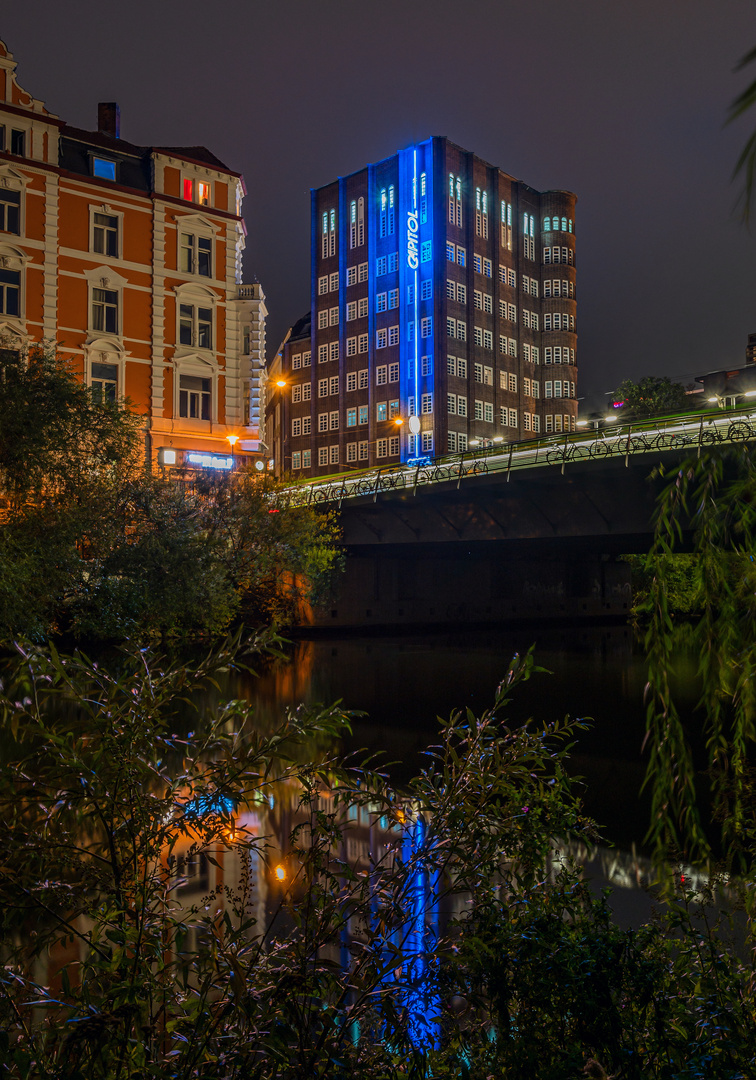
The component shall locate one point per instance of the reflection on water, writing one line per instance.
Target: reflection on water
(404, 682)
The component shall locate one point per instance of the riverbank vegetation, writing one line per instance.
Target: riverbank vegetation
(95, 544)
(183, 896)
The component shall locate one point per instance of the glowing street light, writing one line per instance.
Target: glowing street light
(280, 873)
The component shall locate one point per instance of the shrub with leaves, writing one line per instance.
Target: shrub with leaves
(184, 895)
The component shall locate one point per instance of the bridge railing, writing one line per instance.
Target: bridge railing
(686, 430)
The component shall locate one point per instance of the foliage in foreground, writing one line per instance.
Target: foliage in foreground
(462, 948)
(711, 498)
(93, 543)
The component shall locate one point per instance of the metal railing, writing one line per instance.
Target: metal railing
(691, 431)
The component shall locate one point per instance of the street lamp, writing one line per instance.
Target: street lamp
(232, 440)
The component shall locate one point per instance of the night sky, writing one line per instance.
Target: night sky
(622, 103)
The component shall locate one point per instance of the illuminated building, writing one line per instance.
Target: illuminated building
(443, 296)
(129, 257)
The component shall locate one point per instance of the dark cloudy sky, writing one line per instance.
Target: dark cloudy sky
(622, 102)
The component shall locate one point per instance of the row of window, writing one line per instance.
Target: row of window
(558, 321)
(558, 354)
(559, 287)
(563, 255)
(195, 252)
(328, 387)
(559, 388)
(557, 224)
(195, 323)
(557, 422)
(330, 282)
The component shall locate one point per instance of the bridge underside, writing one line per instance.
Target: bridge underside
(542, 546)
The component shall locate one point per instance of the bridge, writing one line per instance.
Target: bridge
(528, 530)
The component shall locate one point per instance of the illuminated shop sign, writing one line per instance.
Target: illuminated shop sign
(210, 461)
(168, 456)
(413, 259)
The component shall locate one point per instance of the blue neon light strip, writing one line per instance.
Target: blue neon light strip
(416, 295)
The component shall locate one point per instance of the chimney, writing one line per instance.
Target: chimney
(109, 119)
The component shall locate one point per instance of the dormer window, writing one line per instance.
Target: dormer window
(198, 191)
(104, 168)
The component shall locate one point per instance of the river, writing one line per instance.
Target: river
(403, 682)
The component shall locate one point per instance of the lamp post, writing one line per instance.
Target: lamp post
(232, 441)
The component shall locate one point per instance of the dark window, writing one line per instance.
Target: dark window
(194, 397)
(18, 142)
(105, 310)
(106, 235)
(10, 211)
(104, 382)
(2, 136)
(10, 292)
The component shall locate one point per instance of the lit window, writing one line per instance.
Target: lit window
(351, 417)
(381, 411)
(103, 168)
(296, 459)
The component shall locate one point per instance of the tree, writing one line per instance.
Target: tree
(92, 542)
(651, 396)
(711, 498)
(464, 946)
(746, 163)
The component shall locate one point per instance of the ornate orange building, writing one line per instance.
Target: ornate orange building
(130, 258)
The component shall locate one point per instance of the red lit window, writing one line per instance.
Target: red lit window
(188, 191)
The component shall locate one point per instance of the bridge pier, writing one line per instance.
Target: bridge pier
(389, 586)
